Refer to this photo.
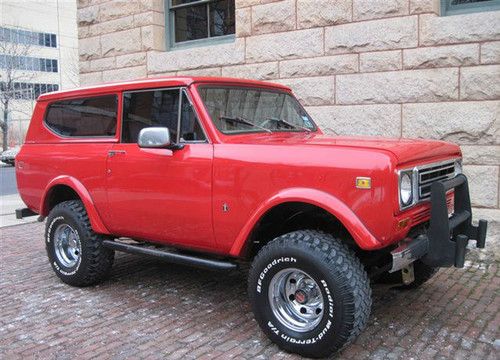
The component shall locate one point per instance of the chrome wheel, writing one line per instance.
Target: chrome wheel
(67, 245)
(296, 300)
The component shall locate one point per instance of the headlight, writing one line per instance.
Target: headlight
(458, 167)
(405, 189)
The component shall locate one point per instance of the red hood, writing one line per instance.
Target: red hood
(405, 150)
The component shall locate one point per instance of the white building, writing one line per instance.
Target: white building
(47, 28)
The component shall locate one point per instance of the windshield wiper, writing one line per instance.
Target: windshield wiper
(240, 120)
(289, 124)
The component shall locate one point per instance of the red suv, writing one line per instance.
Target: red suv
(215, 172)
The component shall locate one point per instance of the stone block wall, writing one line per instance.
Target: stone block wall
(361, 67)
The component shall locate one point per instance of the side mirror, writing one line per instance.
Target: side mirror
(156, 137)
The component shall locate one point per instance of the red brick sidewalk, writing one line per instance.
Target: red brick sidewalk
(150, 309)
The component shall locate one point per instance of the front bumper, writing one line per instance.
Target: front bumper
(444, 243)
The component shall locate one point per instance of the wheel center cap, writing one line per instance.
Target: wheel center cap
(300, 297)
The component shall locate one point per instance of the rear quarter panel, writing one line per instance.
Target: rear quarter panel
(46, 156)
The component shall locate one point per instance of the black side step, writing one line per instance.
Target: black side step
(24, 212)
(175, 258)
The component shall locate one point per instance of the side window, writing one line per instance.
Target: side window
(149, 109)
(190, 127)
(83, 117)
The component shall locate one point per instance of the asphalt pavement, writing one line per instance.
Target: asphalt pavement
(10, 199)
(8, 185)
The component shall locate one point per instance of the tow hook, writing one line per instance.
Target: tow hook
(408, 274)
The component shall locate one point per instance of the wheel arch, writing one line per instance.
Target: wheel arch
(65, 188)
(318, 202)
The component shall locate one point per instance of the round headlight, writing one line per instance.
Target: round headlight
(405, 189)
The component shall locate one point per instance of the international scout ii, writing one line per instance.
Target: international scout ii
(215, 172)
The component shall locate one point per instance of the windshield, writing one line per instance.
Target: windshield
(238, 110)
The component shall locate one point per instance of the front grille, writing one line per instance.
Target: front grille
(432, 173)
(425, 213)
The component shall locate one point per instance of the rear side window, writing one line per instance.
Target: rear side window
(85, 117)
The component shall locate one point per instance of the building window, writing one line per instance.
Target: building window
(28, 63)
(194, 21)
(455, 7)
(28, 91)
(25, 37)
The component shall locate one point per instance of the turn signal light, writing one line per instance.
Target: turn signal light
(363, 183)
(403, 223)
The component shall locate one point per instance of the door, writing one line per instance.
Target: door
(161, 195)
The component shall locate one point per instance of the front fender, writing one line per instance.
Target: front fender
(361, 235)
(95, 220)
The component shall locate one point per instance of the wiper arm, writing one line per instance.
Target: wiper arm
(244, 121)
(289, 124)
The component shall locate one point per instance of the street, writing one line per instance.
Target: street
(10, 199)
(8, 184)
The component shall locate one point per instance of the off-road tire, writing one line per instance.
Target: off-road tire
(343, 282)
(95, 260)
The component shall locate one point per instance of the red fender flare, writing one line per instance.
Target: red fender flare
(95, 220)
(361, 235)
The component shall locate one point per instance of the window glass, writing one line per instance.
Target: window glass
(191, 23)
(221, 18)
(454, 7)
(28, 63)
(149, 109)
(198, 19)
(190, 127)
(230, 107)
(83, 117)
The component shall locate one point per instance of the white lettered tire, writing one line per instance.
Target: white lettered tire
(74, 250)
(309, 293)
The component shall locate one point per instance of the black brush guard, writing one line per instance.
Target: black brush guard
(445, 242)
(448, 236)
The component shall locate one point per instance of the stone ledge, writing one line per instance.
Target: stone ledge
(197, 58)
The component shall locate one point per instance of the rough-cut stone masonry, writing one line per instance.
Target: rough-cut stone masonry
(387, 68)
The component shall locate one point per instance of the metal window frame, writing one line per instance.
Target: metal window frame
(182, 90)
(447, 9)
(170, 28)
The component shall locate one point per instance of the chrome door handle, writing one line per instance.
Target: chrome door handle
(112, 153)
